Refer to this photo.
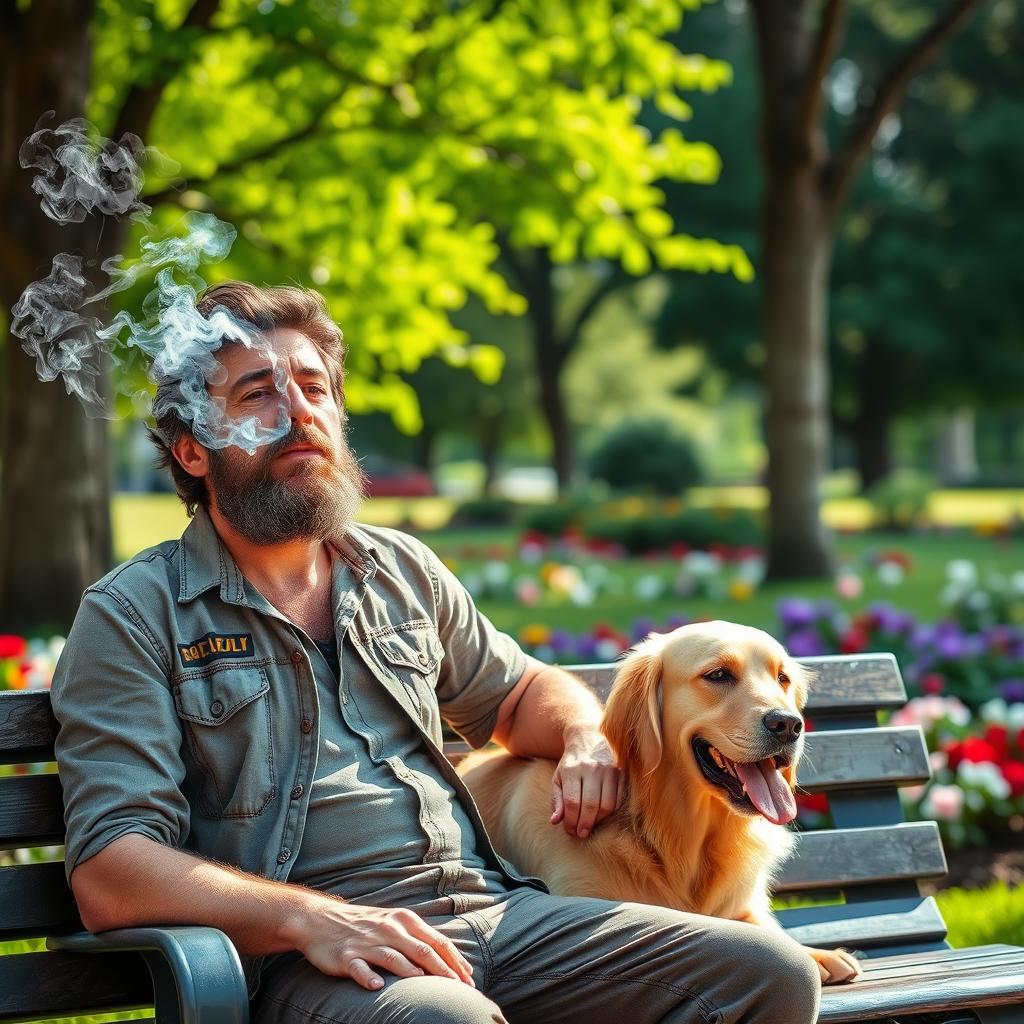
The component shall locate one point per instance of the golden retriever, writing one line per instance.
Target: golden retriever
(706, 722)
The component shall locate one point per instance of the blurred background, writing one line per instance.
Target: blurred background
(655, 310)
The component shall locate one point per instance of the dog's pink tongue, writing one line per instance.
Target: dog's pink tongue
(768, 790)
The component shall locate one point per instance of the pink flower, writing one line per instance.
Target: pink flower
(943, 803)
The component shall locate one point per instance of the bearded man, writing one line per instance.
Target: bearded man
(251, 740)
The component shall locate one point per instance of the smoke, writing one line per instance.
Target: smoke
(58, 318)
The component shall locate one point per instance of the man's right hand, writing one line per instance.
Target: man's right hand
(349, 940)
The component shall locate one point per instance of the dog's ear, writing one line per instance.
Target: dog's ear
(632, 718)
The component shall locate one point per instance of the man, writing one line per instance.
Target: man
(250, 739)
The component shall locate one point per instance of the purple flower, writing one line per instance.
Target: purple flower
(796, 613)
(641, 629)
(586, 648)
(1012, 691)
(952, 645)
(561, 642)
(675, 621)
(805, 643)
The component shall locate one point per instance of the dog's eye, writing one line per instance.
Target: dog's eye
(783, 679)
(720, 675)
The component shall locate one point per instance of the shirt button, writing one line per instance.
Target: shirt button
(423, 659)
(297, 792)
(306, 726)
(296, 656)
(216, 709)
(284, 855)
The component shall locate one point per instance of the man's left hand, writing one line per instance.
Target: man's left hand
(588, 784)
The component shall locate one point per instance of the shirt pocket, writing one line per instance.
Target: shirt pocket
(413, 653)
(225, 717)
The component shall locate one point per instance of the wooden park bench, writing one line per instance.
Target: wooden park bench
(872, 858)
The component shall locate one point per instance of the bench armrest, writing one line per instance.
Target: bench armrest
(197, 976)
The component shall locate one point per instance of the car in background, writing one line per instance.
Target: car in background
(389, 478)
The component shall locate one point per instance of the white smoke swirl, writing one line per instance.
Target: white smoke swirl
(83, 174)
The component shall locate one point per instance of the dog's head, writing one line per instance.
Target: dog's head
(722, 704)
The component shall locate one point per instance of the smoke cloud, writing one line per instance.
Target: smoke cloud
(58, 318)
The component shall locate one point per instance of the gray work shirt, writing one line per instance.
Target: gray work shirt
(191, 715)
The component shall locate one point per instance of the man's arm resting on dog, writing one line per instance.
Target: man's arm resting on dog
(550, 713)
(137, 881)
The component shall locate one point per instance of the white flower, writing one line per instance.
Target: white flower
(582, 594)
(994, 711)
(1017, 582)
(1015, 717)
(985, 776)
(649, 588)
(978, 601)
(956, 710)
(890, 574)
(496, 574)
(701, 563)
(962, 570)
(606, 650)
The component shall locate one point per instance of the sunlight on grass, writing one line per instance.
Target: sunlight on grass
(979, 916)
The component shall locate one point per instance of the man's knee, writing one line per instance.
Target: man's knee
(774, 979)
(432, 1000)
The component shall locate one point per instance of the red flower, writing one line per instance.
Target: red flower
(999, 738)
(865, 620)
(677, 549)
(978, 750)
(853, 641)
(1013, 772)
(933, 684)
(604, 631)
(12, 646)
(954, 752)
(816, 802)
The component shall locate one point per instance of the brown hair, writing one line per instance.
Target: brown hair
(267, 309)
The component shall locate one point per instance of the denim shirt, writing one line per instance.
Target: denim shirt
(190, 716)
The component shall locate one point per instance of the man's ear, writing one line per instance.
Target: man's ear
(191, 456)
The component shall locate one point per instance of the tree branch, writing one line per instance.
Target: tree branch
(830, 32)
(141, 101)
(264, 152)
(612, 283)
(843, 167)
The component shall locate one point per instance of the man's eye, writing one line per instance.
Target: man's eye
(255, 396)
(719, 675)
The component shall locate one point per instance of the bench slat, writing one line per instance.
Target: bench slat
(842, 683)
(943, 980)
(31, 811)
(27, 727)
(34, 985)
(35, 901)
(854, 758)
(866, 925)
(842, 759)
(851, 856)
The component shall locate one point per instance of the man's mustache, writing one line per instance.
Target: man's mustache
(300, 435)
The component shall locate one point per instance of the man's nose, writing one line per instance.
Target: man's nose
(299, 407)
(783, 725)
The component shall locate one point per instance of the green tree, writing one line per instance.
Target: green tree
(378, 150)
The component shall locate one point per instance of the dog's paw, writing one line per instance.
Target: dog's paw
(837, 967)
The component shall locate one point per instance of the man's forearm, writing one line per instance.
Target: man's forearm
(137, 881)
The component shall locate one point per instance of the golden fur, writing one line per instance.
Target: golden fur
(677, 840)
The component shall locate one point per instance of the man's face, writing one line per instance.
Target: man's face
(307, 485)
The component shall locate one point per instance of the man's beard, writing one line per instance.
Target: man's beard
(317, 500)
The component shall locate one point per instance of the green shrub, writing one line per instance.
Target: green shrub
(695, 527)
(646, 455)
(566, 513)
(900, 500)
(487, 512)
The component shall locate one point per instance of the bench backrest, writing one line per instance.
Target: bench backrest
(871, 855)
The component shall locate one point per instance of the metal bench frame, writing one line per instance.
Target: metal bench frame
(873, 857)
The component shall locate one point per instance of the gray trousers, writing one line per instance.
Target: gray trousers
(539, 958)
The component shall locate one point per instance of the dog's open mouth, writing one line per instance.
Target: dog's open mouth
(757, 787)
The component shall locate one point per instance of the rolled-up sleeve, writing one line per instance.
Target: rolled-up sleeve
(119, 745)
(481, 664)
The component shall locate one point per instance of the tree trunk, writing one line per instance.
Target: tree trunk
(425, 454)
(794, 276)
(491, 436)
(55, 534)
(870, 429)
(551, 354)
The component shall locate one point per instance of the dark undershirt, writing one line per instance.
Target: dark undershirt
(329, 649)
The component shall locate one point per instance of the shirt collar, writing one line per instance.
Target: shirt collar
(206, 562)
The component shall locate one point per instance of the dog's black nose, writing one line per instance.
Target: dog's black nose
(783, 725)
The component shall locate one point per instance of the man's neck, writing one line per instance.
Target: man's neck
(276, 570)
